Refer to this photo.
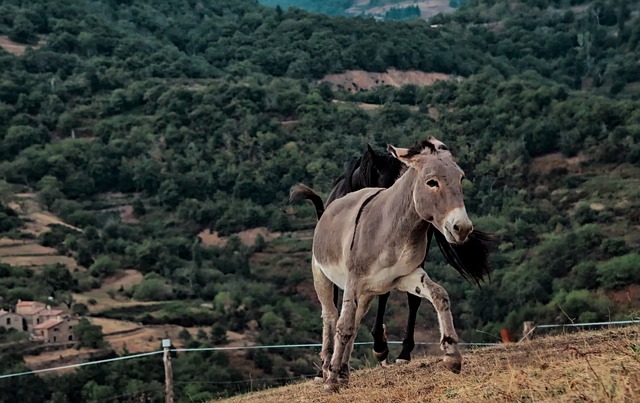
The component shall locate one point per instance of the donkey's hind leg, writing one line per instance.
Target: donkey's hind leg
(418, 283)
(324, 290)
(379, 333)
(364, 301)
(345, 333)
(408, 344)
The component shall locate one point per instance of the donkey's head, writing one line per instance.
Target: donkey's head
(437, 191)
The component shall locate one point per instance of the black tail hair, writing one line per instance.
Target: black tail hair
(470, 259)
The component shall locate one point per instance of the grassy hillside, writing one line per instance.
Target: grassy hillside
(141, 131)
(584, 366)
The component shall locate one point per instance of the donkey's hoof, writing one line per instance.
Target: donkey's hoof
(318, 379)
(331, 387)
(402, 361)
(381, 356)
(453, 363)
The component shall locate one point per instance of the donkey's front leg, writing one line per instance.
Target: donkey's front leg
(408, 343)
(418, 283)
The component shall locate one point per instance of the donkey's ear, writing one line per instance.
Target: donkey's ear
(400, 153)
(370, 150)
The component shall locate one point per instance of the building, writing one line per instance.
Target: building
(30, 312)
(44, 323)
(11, 320)
(56, 330)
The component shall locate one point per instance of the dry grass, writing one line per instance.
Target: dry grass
(127, 279)
(428, 8)
(38, 261)
(113, 325)
(586, 366)
(26, 249)
(248, 237)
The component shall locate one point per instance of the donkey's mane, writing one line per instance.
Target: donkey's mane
(420, 145)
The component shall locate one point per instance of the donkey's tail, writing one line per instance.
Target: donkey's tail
(301, 192)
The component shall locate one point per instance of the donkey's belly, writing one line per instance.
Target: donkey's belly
(335, 273)
(378, 282)
(384, 280)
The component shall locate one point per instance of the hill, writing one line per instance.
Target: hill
(145, 131)
(585, 366)
(382, 9)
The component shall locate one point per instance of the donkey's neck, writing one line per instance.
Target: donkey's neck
(399, 211)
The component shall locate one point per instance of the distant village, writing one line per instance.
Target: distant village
(40, 321)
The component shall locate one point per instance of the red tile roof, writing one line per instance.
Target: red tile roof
(52, 312)
(49, 324)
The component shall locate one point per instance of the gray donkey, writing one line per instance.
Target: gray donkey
(373, 240)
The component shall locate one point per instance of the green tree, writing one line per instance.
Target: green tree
(89, 335)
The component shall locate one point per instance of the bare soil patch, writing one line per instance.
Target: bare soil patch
(113, 325)
(16, 48)
(630, 295)
(37, 261)
(12, 242)
(68, 356)
(428, 8)
(127, 279)
(585, 366)
(26, 249)
(248, 237)
(149, 338)
(356, 80)
(546, 163)
(39, 220)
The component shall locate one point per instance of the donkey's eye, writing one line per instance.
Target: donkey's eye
(432, 183)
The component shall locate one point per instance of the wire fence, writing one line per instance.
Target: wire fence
(186, 350)
(283, 346)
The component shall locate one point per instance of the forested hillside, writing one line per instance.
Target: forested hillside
(382, 9)
(201, 115)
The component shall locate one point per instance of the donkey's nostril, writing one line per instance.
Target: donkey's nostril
(455, 227)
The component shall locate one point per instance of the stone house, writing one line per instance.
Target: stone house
(11, 320)
(44, 323)
(30, 312)
(55, 330)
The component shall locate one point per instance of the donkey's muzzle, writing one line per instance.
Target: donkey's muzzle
(457, 226)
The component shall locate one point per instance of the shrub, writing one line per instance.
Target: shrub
(89, 335)
(152, 288)
(103, 266)
(79, 309)
(619, 271)
(583, 305)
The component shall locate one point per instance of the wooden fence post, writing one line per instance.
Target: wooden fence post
(527, 330)
(168, 371)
